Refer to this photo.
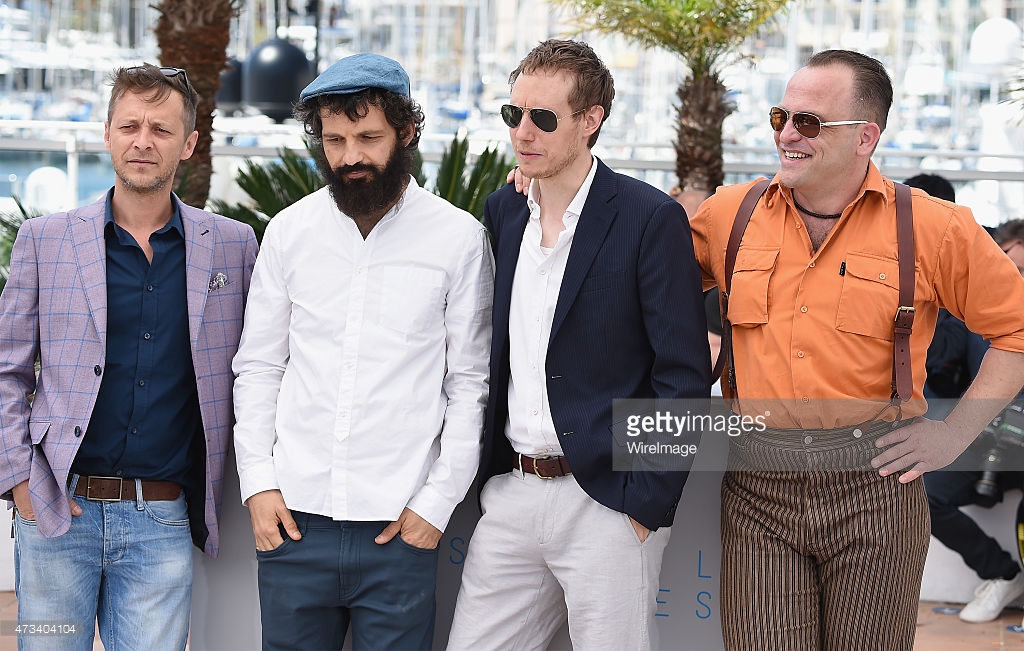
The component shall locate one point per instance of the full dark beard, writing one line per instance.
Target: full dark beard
(372, 194)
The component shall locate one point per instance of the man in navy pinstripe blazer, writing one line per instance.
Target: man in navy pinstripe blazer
(597, 298)
(113, 454)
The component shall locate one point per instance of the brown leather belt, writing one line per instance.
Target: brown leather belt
(115, 489)
(543, 467)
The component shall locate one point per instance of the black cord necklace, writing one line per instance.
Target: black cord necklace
(815, 214)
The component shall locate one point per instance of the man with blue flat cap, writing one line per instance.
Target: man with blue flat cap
(361, 376)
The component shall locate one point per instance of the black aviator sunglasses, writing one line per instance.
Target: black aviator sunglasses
(545, 119)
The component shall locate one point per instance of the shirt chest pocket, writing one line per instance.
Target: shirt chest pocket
(870, 296)
(751, 278)
(412, 298)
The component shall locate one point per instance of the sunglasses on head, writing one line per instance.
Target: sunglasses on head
(169, 72)
(807, 125)
(545, 119)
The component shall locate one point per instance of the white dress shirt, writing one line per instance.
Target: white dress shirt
(362, 370)
(535, 288)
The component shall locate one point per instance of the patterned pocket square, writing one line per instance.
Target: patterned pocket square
(218, 281)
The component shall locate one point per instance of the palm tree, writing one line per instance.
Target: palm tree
(706, 35)
(194, 35)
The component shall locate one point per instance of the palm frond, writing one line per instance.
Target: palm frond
(706, 34)
(10, 222)
(468, 189)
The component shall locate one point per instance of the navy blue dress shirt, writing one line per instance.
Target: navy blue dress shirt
(146, 420)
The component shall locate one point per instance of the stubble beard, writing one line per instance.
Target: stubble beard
(152, 186)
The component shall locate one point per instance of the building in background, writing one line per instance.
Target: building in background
(54, 55)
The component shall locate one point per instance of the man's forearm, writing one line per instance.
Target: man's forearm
(998, 381)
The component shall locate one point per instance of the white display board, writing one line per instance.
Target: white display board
(225, 599)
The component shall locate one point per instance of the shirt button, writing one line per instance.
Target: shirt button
(142, 383)
(78, 430)
(808, 440)
(857, 433)
(543, 271)
(805, 399)
(881, 276)
(135, 430)
(97, 370)
(533, 411)
(803, 308)
(149, 288)
(811, 265)
(800, 353)
(118, 473)
(147, 336)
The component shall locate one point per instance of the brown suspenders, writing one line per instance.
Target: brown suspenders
(902, 380)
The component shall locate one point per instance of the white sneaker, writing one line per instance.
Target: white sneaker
(991, 597)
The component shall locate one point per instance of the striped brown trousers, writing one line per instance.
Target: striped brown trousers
(818, 550)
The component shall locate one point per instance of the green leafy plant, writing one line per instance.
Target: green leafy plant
(271, 187)
(10, 221)
(462, 179)
(464, 185)
(707, 36)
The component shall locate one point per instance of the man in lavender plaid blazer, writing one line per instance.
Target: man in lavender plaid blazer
(113, 455)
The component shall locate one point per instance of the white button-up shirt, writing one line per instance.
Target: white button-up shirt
(535, 287)
(362, 370)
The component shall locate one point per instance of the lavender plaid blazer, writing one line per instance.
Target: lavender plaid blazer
(55, 306)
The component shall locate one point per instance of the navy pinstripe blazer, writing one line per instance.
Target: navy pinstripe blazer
(629, 323)
(55, 306)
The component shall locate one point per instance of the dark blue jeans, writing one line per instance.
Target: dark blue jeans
(947, 492)
(336, 575)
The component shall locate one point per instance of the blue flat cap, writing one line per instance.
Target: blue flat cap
(359, 72)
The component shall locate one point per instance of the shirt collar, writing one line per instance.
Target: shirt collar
(575, 208)
(874, 183)
(174, 222)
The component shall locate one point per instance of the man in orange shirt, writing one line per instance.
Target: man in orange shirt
(824, 547)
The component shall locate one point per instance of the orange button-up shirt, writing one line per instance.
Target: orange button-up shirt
(813, 330)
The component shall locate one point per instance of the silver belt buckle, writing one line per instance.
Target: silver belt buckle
(88, 490)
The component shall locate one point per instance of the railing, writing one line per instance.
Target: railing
(653, 162)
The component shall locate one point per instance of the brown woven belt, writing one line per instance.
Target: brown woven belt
(543, 467)
(115, 489)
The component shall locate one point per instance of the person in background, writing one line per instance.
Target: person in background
(361, 376)
(114, 454)
(949, 490)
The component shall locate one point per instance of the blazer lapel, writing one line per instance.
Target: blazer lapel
(596, 219)
(86, 225)
(199, 241)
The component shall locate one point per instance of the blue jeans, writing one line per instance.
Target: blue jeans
(124, 565)
(336, 575)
